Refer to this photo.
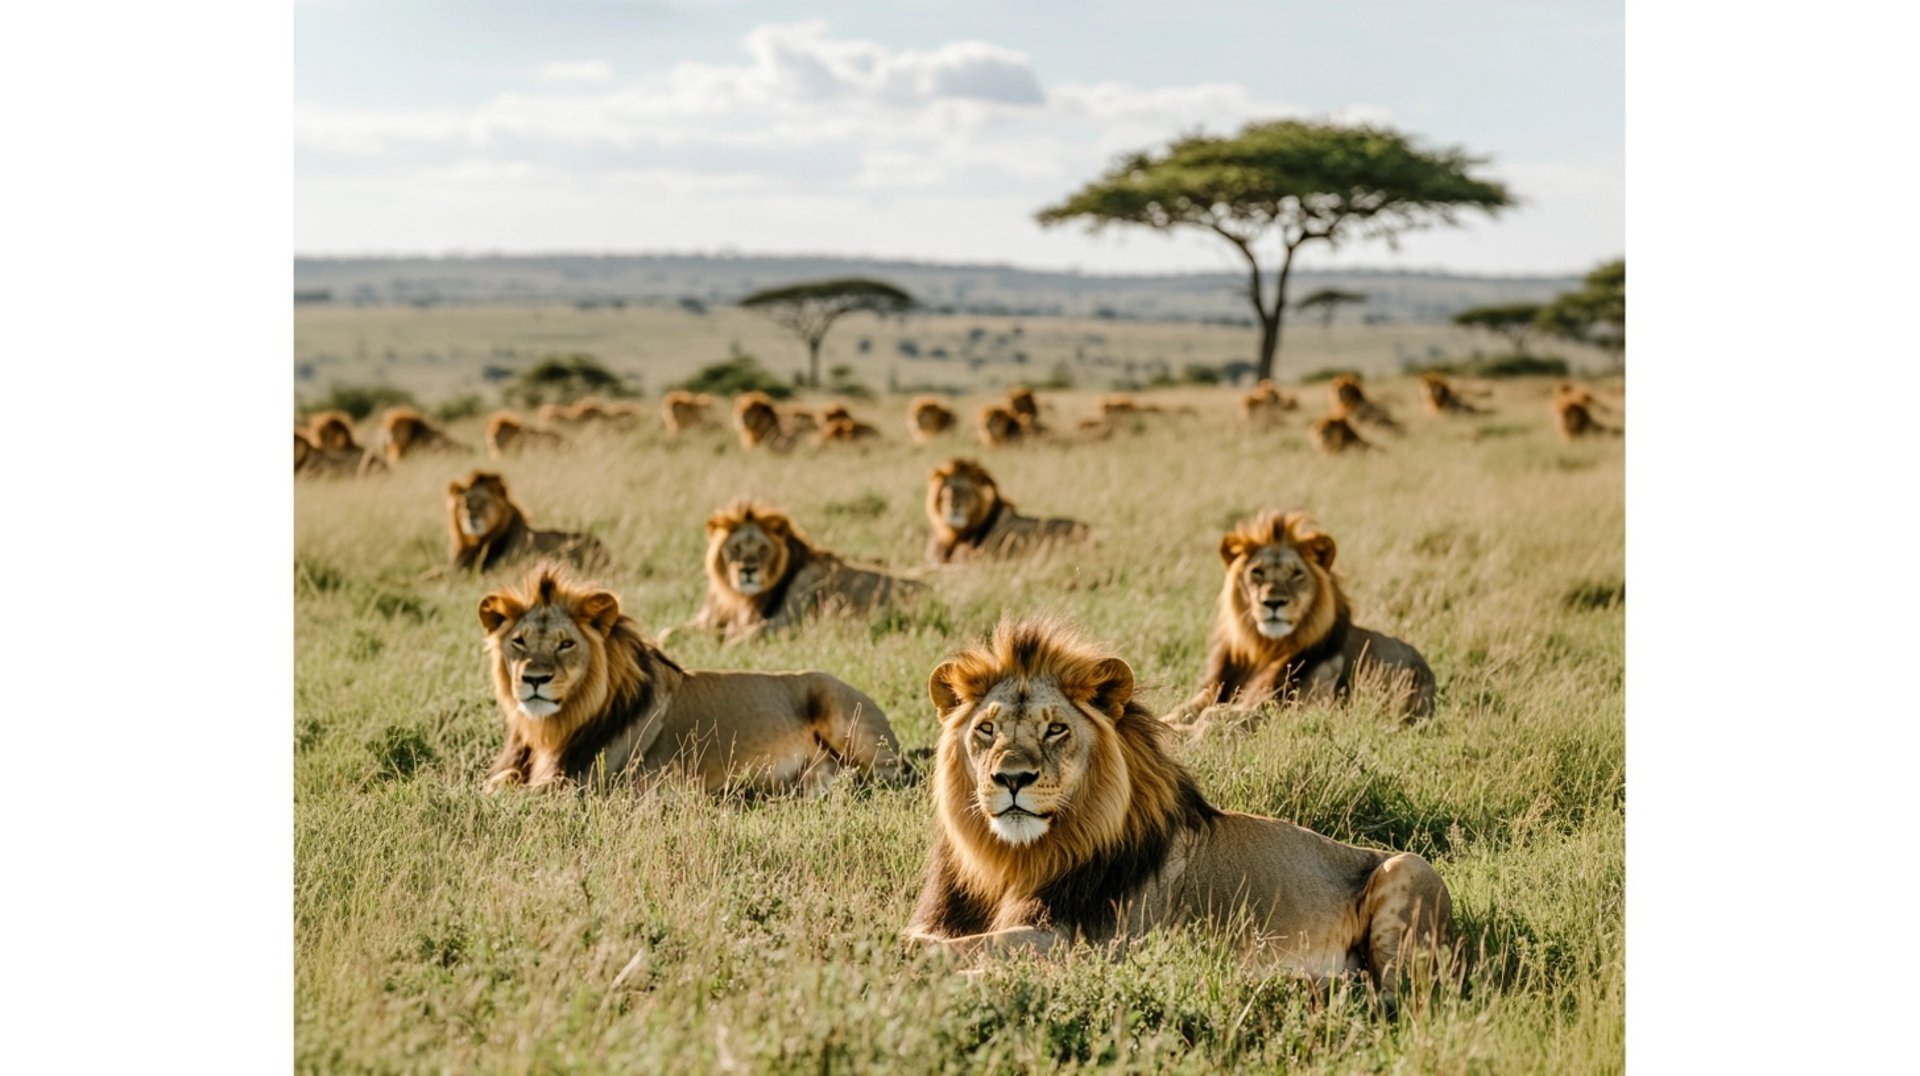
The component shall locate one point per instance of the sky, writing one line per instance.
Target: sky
(921, 129)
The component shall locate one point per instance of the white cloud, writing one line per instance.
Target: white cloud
(575, 72)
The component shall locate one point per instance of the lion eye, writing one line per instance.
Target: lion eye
(984, 728)
(566, 644)
(1056, 729)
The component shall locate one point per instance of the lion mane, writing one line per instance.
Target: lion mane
(992, 527)
(506, 535)
(1130, 842)
(1351, 402)
(928, 418)
(761, 423)
(682, 411)
(1441, 398)
(1264, 403)
(1001, 425)
(1334, 434)
(332, 431)
(633, 714)
(1573, 409)
(405, 431)
(800, 579)
(507, 436)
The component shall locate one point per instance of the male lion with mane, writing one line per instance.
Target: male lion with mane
(1285, 630)
(587, 698)
(971, 519)
(488, 529)
(763, 575)
(928, 418)
(1061, 817)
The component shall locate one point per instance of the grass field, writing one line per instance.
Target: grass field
(441, 929)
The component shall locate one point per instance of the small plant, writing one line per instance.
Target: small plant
(459, 407)
(842, 382)
(563, 379)
(739, 373)
(360, 401)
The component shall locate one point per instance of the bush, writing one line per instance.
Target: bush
(842, 382)
(468, 406)
(740, 373)
(563, 379)
(1327, 374)
(1516, 366)
(360, 401)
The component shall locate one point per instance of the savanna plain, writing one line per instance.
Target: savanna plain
(441, 928)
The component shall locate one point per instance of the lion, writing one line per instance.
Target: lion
(508, 436)
(488, 529)
(312, 460)
(760, 423)
(1284, 628)
(1441, 399)
(928, 418)
(682, 411)
(764, 575)
(1333, 434)
(1263, 404)
(971, 519)
(838, 426)
(405, 431)
(1350, 402)
(332, 431)
(1061, 817)
(588, 699)
(1002, 425)
(1020, 401)
(1573, 417)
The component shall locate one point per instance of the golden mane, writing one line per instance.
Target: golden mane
(1233, 627)
(990, 498)
(466, 546)
(1124, 812)
(332, 431)
(779, 527)
(755, 417)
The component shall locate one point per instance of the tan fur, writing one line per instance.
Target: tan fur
(1352, 403)
(1440, 398)
(1001, 425)
(488, 529)
(312, 461)
(1263, 404)
(989, 527)
(764, 575)
(843, 428)
(508, 436)
(1573, 419)
(761, 423)
(1333, 434)
(682, 411)
(1116, 838)
(1284, 562)
(332, 431)
(404, 431)
(620, 710)
(928, 418)
(1021, 401)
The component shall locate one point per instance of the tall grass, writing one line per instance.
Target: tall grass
(437, 928)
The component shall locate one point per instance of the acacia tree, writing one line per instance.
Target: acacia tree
(1515, 321)
(1595, 313)
(1328, 301)
(1298, 181)
(808, 310)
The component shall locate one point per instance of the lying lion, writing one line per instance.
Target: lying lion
(1284, 628)
(1333, 434)
(1350, 402)
(488, 529)
(508, 436)
(588, 699)
(970, 519)
(1441, 398)
(763, 575)
(682, 411)
(1061, 817)
(928, 418)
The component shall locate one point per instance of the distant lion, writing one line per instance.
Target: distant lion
(1021, 402)
(1002, 425)
(404, 431)
(682, 411)
(589, 700)
(312, 461)
(763, 575)
(1573, 418)
(845, 429)
(1349, 400)
(488, 529)
(1333, 434)
(928, 418)
(971, 519)
(1263, 404)
(1441, 399)
(1284, 627)
(332, 431)
(759, 422)
(508, 436)
(1060, 817)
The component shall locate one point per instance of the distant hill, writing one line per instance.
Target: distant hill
(665, 279)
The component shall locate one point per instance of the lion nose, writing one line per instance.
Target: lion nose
(1276, 604)
(536, 679)
(1014, 782)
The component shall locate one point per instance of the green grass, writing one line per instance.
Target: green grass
(437, 928)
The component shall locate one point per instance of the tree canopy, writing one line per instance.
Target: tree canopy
(1595, 313)
(1515, 321)
(1301, 182)
(1328, 301)
(809, 309)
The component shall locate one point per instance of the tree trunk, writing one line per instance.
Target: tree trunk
(1269, 342)
(813, 364)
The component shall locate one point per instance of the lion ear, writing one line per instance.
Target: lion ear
(497, 609)
(947, 687)
(775, 526)
(454, 489)
(599, 609)
(1112, 682)
(1320, 548)
(1231, 547)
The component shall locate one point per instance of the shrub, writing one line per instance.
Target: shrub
(362, 400)
(563, 379)
(841, 381)
(737, 374)
(459, 407)
(1517, 366)
(1327, 374)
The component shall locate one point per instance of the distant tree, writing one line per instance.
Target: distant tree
(1328, 301)
(809, 310)
(1595, 313)
(1515, 321)
(1300, 181)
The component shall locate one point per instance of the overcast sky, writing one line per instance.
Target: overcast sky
(918, 128)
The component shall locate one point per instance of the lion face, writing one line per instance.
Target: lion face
(548, 654)
(958, 501)
(751, 556)
(1277, 585)
(479, 505)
